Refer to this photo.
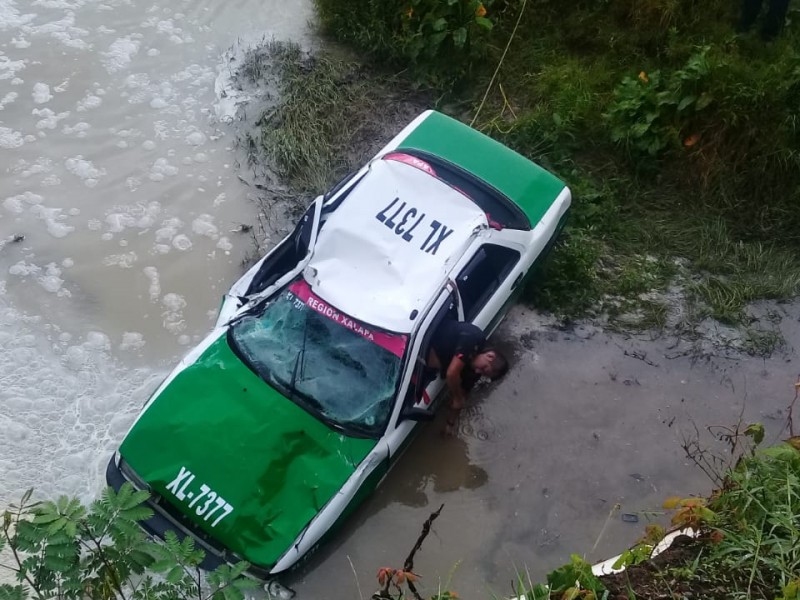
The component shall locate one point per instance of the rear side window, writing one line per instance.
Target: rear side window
(496, 206)
(479, 280)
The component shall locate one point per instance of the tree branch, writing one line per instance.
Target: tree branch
(409, 564)
(13, 547)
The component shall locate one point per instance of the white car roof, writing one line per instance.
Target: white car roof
(389, 247)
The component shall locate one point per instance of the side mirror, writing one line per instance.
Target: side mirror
(417, 414)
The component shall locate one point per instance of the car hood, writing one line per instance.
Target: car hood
(219, 426)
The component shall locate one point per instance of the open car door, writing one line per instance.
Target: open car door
(278, 266)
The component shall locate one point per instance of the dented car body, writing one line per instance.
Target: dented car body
(273, 429)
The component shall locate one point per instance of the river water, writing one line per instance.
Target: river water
(119, 183)
(121, 175)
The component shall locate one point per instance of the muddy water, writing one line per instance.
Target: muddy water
(118, 178)
(585, 420)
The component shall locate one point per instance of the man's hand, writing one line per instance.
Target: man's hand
(453, 379)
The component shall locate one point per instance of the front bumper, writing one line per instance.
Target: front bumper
(162, 521)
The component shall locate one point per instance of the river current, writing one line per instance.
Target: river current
(120, 207)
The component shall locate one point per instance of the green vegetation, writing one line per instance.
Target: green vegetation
(63, 550)
(329, 120)
(679, 137)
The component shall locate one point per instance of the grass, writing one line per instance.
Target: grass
(329, 118)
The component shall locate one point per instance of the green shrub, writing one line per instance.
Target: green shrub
(652, 113)
(63, 550)
(439, 40)
(759, 523)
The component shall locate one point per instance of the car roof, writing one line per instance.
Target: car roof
(388, 248)
(525, 183)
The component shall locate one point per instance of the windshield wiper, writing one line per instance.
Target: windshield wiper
(299, 362)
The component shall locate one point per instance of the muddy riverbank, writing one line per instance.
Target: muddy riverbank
(586, 419)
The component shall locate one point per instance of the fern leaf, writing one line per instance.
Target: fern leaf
(62, 503)
(245, 584)
(12, 592)
(136, 513)
(56, 526)
(135, 499)
(46, 513)
(175, 574)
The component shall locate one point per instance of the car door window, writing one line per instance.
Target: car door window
(290, 252)
(478, 281)
(422, 375)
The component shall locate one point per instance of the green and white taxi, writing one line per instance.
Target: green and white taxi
(273, 429)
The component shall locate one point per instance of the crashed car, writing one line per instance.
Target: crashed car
(270, 432)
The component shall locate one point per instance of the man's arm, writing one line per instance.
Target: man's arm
(456, 389)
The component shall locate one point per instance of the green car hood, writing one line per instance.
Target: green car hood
(220, 427)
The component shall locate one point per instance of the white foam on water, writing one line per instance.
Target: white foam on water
(9, 69)
(9, 98)
(155, 285)
(196, 138)
(162, 169)
(51, 281)
(54, 220)
(181, 242)
(62, 30)
(49, 119)
(132, 340)
(225, 245)
(88, 102)
(79, 130)
(41, 93)
(64, 407)
(204, 225)
(10, 17)
(124, 261)
(120, 53)
(85, 170)
(10, 139)
(172, 317)
(169, 229)
(16, 204)
(26, 169)
(23, 269)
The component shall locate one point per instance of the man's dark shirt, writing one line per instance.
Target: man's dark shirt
(456, 339)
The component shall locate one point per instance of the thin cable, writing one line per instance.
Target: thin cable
(500, 64)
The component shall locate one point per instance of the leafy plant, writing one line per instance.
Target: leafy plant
(432, 27)
(643, 548)
(575, 580)
(66, 551)
(439, 39)
(652, 112)
(690, 512)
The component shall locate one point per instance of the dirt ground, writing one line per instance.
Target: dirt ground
(585, 420)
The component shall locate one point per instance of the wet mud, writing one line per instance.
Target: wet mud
(573, 452)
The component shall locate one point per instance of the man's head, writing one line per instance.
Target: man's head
(490, 363)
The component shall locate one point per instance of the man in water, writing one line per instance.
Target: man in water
(459, 353)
